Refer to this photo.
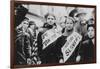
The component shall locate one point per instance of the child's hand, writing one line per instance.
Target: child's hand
(78, 58)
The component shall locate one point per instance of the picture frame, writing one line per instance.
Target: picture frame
(35, 12)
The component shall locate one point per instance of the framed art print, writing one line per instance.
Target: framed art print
(51, 34)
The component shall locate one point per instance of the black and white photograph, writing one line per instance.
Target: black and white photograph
(48, 34)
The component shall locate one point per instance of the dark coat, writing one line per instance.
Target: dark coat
(49, 54)
(22, 48)
(87, 51)
(60, 43)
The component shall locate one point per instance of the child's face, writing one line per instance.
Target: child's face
(50, 20)
(91, 32)
(69, 24)
(25, 24)
(32, 27)
(62, 24)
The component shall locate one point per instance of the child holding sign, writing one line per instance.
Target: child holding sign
(68, 43)
(46, 41)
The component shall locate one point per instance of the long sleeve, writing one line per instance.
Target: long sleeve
(58, 49)
(27, 47)
(39, 43)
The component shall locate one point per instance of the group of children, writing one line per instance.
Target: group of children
(74, 43)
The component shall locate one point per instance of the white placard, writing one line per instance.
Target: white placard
(70, 45)
(49, 37)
